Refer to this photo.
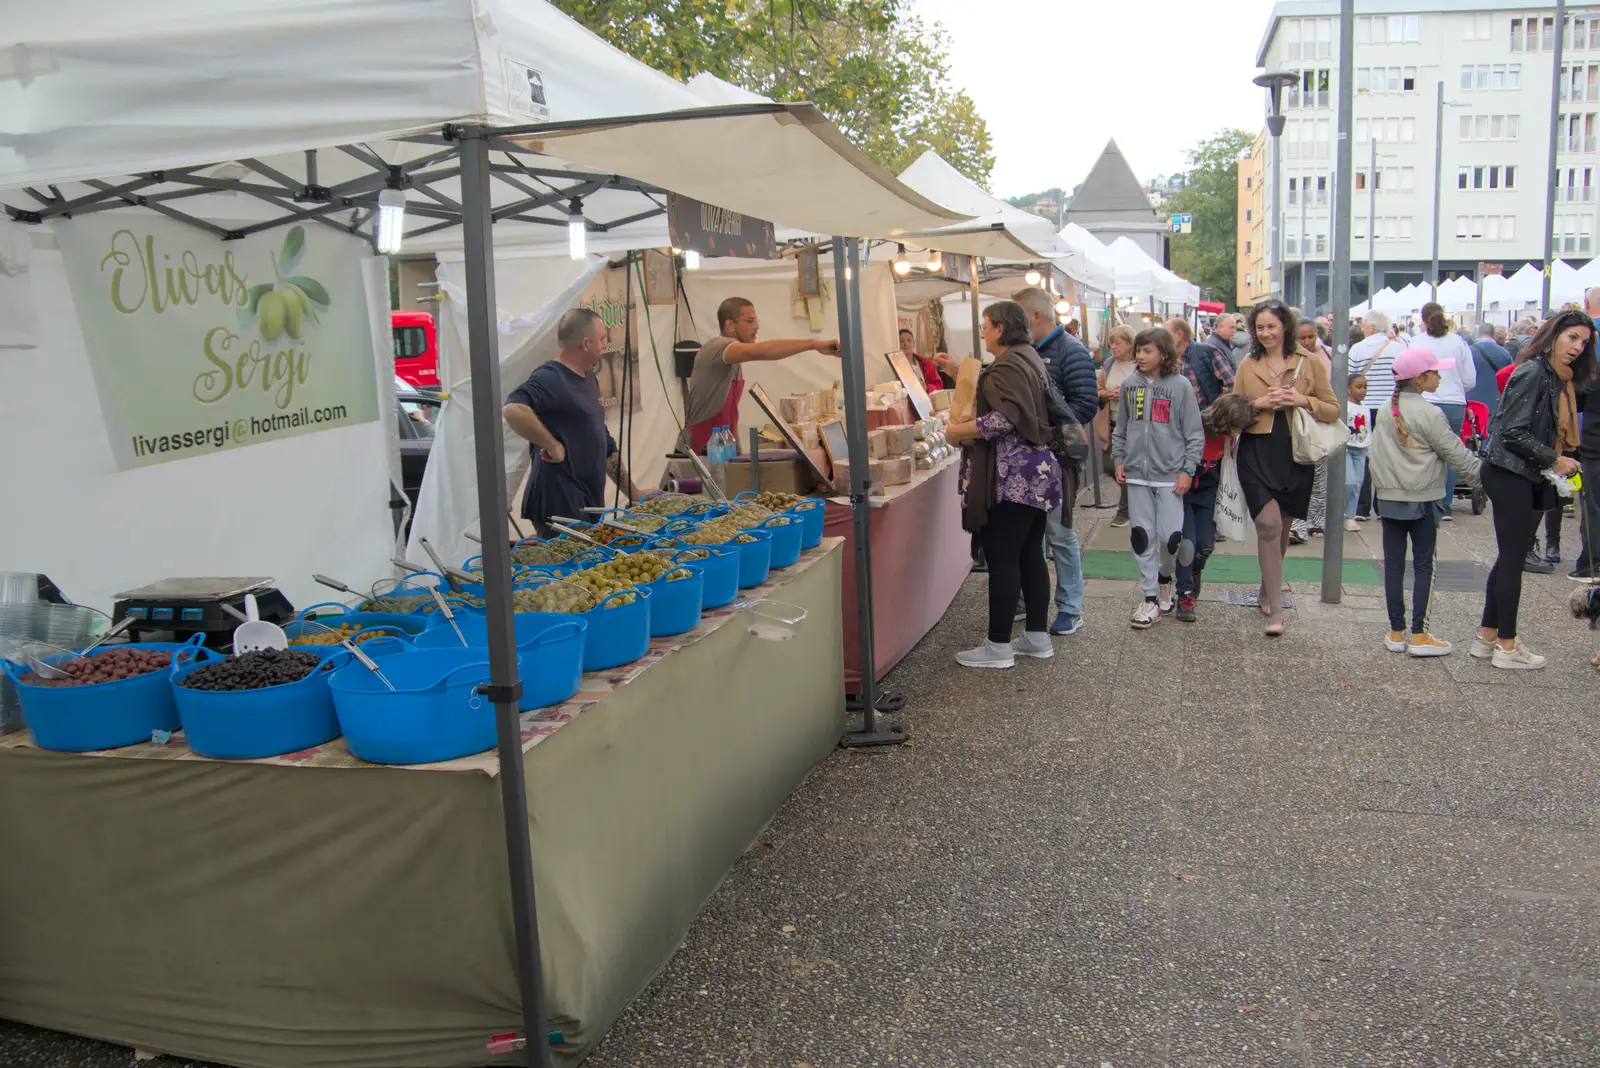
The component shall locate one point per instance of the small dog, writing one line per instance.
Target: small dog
(1585, 604)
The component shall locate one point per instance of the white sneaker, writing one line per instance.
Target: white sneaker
(1351, 526)
(1481, 650)
(1035, 644)
(1166, 597)
(1518, 659)
(987, 655)
(1147, 615)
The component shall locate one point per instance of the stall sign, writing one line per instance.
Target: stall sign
(955, 267)
(608, 295)
(713, 231)
(198, 344)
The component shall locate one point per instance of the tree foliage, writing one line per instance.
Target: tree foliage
(880, 75)
(1207, 257)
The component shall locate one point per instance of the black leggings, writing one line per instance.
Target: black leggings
(1423, 534)
(1013, 543)
(1515, 521)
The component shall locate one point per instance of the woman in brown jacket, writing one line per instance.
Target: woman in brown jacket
(1277, 377)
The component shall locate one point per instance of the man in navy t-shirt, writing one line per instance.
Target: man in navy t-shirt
(558, 411)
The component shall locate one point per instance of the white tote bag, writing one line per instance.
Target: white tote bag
(1232, 515)
(1314, 441)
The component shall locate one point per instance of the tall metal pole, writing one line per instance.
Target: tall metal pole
(504, 689)
(1550, 166)
(852, 373)
(1372, 224)
(1339, 292)
(1438, 173)
(977, 326)
(1305, 194)
(1275, 126)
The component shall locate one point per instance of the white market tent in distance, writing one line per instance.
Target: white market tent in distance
(259, 79)
(1143, 279)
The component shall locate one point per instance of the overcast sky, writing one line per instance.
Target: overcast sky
(1056, 81)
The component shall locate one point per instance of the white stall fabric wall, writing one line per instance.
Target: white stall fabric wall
(531, 293)
(19, 324)
(958, 321)
(286, 509)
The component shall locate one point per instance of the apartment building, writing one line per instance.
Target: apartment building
(1495, 64)
(1254, 280)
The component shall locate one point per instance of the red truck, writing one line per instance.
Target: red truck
(416, 348)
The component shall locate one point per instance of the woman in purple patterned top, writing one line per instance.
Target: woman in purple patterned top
(1010, 481)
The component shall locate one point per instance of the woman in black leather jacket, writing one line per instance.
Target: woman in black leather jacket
(1536, 421)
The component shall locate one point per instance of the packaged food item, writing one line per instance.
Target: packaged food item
(878, 443)
(897, 470)
(963, 405)
(941, 399)
(899, 439)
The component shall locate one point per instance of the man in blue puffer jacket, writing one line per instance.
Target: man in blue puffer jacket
(1073, 372)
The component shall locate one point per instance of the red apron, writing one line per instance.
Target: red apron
(700, 433)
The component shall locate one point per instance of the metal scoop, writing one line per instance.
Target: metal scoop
(449, 616)
(451, 575)
(257, 634)
(362, 658)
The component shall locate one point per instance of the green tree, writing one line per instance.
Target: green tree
(1208, 256)
(879, 74)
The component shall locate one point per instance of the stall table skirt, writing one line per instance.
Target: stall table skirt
(317, 911)
(920, 558)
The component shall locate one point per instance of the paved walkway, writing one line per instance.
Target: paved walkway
(1187, 847)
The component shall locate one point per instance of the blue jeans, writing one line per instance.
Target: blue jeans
(1454, 415)
(1063, 542)
(1355, 473)
(1200, 530)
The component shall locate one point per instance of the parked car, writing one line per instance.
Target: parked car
(416, 411)
(416, 348)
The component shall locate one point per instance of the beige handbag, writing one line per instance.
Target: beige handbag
(1314, 441)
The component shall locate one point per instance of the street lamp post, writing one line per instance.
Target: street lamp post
(1550, 172)
(1372, 224)
(1274, 82)
(1438, 174)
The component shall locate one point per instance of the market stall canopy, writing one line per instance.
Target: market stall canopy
(1094, 252)
(1011, 235)
(94, 89)
(1146, 278)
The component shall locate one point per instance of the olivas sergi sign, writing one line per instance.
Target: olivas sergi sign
(197, 344)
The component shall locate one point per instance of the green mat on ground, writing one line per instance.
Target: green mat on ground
(1106, 564)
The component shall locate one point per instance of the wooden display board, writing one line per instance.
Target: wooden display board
(787, 431)
(911, 378)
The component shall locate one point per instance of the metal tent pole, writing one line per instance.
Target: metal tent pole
(1339, 294)
(504, 688)
(847, 284)
(977, 326)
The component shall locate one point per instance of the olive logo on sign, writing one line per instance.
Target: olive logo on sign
(283, 306)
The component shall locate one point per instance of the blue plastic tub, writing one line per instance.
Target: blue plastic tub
(675, 606)
(617, 635)
(433, 713)
(786, 531)
(252, 724)
(755, 558)
(107, 715)
(719, 569)
(811, 515)
(549, 652)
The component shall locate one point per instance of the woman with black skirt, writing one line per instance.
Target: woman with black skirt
(1277, 377)
(1537, 424)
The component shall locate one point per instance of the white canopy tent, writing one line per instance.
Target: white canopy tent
(1094, 252)
(1146, 279)
(471, 108)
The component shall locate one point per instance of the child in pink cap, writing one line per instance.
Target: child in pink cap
(1411, 446)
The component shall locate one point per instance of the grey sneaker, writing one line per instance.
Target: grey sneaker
(1165, 596)
(1147, 615)
(1481, 650)
(1518, 659)
(987, 655)
(1035, 644)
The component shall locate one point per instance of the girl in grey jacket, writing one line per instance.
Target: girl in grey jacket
(1412, 445)
(1156, 447)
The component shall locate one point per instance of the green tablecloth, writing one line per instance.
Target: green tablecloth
(299, 916)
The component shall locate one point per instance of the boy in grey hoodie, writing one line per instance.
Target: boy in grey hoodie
(1156, 447)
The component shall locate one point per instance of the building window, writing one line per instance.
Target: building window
(1391, 129)
(1322, 88)
(1466, 128)
(1322, 190)
(1461, 178)
(1361, 130)
(1414, 28)
(1548, 28)
(1405, 228)
(1294, 193)
(1408, 130)
(1577, 33)
(1361, 180)
(1246, 214)
(1461, 220)
(1466, 78)
(1514, 76)
(1408, 79)
(1394, 79)
(1363, 79)
(1291, 37)
(1358, 228)
(1325, 38)
(1475, 28)
(1247, 248)
(1516, 46)
(1408, 179)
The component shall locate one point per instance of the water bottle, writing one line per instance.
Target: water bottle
(715, 458)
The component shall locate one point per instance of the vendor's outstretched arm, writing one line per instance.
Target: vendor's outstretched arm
(620, 475)
(777, 349)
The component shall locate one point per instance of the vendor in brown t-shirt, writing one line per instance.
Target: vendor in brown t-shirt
(717, 382)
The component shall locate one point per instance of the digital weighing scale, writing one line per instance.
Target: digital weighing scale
(177, 608)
